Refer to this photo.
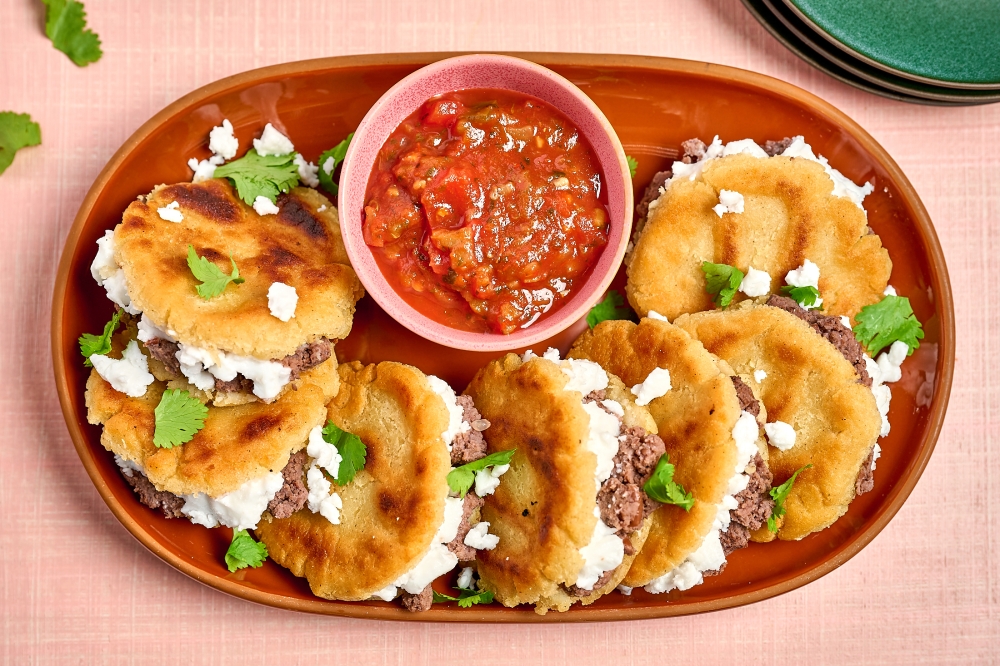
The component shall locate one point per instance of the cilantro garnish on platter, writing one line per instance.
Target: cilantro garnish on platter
(461, 478)
(245, 552)
(328, 162)
(887, 321)
(255, 175)
(779, 495)
(17, 131)
(66, 26)
(612, 307)
(804, 296)
(98, 344)
(662, 487)
(466, 598)
(721, 281)
(633, 164)
(351, 449)
(178, 418)
(213, 280)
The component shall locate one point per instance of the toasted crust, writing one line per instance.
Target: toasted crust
(810, 386)
(299, 246)
(393, 507)
(695, 419)
(790, 215)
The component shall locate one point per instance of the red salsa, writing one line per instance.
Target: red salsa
(485, 208)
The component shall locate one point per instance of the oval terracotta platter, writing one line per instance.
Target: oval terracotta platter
(653, 104)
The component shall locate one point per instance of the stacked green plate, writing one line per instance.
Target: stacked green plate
(922, 51)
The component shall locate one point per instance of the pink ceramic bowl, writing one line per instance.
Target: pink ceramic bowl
(484, 71)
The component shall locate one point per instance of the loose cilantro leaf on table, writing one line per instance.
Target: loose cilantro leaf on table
(66, 26)
(245, 552)
(178, 418)
(98, 344)
(633, 164)
(351, 449)
(17, 131)
(255, 175)
(662, 487)
(612, 307)
(337, 154)
(883, 323)
(804, 296)
(466, 598)
(779, 495)
(461, 478)
(213, 280)
(722, 281)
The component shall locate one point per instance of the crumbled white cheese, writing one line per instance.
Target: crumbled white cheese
(625, 589)
(889, 362)
(323, 453)
(265, 206)
(602, 440)
(129, 374)
(241, 509)
(281, 300)
(104, 265)
(200, 366)
(584, 376)
(480, 538)
(273, 142)
(321, 500)
(655, 386)
(780, 435)
(487, 480)
(729, 202)
(465, 578)
(387, 593)
(883, 395)
(456, 415)
(438, 559)
(876, 454)
(605, 551)
(653, 314)
(328, 166)
(117, 291)
(842, 186)
(171, 212)
(321, 208)
(889, 291)
(806, 275)
(745, 435)
(307, 170)
(205, 169)
(222, 142)
(613, 407)
(759, 376)
(846, 321)
(755, 283)
(744, 147)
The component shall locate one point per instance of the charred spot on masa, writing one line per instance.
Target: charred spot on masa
(135, 222)
(387, 502)
(420, 467)
(260, 427)
(274, 259)
(209, 199)
(209, 253)
(293, 213)
(525, 512)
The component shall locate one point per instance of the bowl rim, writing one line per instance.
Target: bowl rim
(374, 280)
(940, 283)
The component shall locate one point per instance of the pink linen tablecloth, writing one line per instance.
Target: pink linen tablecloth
(76, 588)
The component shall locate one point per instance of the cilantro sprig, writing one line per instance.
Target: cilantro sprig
(17, 131)
(662, 487)
(887, 321)
(213, 280)
(779, 495)
(178, 418)
(804, 296)
(461, 478)
(466, 598)
(352, 450)
(91, 344)
(255, 175)
(66, 26)
(721, 281)
(612, 307)
(245, 552)
(337, 154)
(633, 164)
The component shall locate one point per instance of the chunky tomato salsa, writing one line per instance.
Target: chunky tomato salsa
(485, 208)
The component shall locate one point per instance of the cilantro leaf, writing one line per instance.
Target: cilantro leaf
(213, 280)
(883, 323)
(633, 164)
(662, 487)
(66, 26)
(466, 598)
(351, 449)
(779, 495)
(804, 296)
(337, 153)
(612, 307)
(245, 552)
(179, 417)
(255, 176)
(461, 478)
(722, 281)
(98, 344)
(17, 131)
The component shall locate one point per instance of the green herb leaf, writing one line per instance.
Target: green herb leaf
(66, 26)
(662, 487)
(612, 307)
(351, 449)
(213, 280)
(255, 175)
(98, 344)
(337, 154)
(461, 478)
(633, 164)
(17, 131)
(779, 495)
(804, 296)
(466, 598)
(245, 552)
(722, 281)
(178, 418)
(883, 323)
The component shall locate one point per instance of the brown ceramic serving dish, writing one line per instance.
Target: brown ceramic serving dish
(654, 104)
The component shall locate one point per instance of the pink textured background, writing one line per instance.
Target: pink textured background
(75, 587)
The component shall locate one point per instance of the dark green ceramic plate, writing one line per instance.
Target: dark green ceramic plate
(952, 43)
